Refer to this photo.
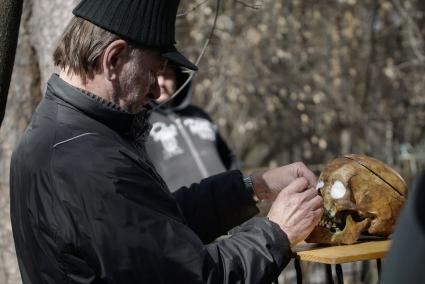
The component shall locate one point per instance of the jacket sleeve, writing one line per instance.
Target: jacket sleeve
(216, 205)
(125, 229)
(257, 253)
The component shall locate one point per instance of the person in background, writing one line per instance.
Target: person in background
(184, 144)
(406, 258)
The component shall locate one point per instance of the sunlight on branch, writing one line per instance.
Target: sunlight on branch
(257, 4)
(192, 9)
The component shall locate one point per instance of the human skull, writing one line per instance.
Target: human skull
(361, 195)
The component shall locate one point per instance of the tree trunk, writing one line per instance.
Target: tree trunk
(24, 93)
(42, 23)
(10, 17)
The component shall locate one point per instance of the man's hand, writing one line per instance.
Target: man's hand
(297, 210)
(267, 184)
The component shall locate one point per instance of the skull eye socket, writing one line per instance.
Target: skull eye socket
(338, 190)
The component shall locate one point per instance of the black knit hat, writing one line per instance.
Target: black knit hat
(150, 23)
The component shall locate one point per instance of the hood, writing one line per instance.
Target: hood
(184, 98)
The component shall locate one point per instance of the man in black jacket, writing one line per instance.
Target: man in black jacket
(405, 261)
(87, 206)
(184, 143)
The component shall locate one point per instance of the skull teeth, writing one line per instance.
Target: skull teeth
(327, 223)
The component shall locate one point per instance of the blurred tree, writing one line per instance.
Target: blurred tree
(315, 79)
(10, 17)
(41, 24)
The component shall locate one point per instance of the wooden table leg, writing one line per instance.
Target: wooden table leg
(379, 265)
(339, 274)
(329, 278)
(364, 271)
(298, 271)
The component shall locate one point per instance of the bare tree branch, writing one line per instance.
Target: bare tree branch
(256, 5)
(411, 63)
(10, 17)
(415, 38)
(192, 9)
(201, 55)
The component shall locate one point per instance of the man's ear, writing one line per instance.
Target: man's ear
(114, 58)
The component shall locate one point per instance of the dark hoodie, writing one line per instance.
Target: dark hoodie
(184, 143)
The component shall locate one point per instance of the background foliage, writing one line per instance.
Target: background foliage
(310, 80)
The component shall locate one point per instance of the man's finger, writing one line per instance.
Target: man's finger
(316, 203)
(318, 213)
(297, 185)
(309, 194)
(303, 171)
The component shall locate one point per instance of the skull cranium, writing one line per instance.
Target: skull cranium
(361, 196)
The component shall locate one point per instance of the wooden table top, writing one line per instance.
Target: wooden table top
(366, 250)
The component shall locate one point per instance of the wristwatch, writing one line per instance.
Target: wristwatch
(249, 186)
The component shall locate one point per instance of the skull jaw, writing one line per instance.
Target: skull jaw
(349, 235)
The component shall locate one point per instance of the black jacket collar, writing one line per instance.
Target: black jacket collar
(106, 112)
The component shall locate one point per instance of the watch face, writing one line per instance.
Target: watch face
(249, 186)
